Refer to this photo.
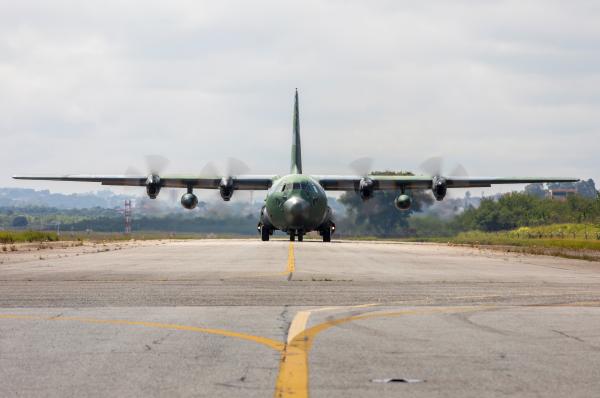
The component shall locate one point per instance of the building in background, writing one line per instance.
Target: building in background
(561, 194)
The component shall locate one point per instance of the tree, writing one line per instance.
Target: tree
(536, 190)
(20, 222)
(587, 189)
(523, 210)
(378, 216)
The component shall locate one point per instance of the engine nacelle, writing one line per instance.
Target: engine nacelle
(226, 188)
(403, 202)
(365, 188)
(439, 187)
(153, 186)
(189, 201)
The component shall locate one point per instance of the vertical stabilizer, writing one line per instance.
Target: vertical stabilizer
(296, 150)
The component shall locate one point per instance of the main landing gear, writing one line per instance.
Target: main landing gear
(327, 231)
(327, 235)
(265, 232)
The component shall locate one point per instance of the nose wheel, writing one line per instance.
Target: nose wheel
(295, 234)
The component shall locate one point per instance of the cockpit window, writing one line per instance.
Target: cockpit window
(305, 186)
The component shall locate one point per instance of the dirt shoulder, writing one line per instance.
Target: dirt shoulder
(580, 254)
(24, 252)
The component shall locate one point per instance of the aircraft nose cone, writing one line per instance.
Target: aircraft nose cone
(295, 209)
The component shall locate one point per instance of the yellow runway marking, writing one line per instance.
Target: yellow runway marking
(289, 270)
(292, 380)
(300, 320)
(291, 264)
(276, 345)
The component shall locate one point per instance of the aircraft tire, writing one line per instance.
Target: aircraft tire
(265, 233)
(300, 237)
(327, 235)
(292, 236)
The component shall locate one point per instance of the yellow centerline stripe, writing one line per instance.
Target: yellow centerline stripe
(291, 263)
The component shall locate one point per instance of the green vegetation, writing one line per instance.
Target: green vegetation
(111, 221)
(533, 224)
(27, 236)
(378, 215)
(517, 211)
(33, 217)
(522, 210)
(557, 231)
(181, 223)
(581, 241)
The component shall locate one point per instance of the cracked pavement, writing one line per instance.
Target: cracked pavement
(221, 319)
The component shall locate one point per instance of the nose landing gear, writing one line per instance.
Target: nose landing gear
(294, 234)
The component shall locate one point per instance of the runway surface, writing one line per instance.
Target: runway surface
(243, 318)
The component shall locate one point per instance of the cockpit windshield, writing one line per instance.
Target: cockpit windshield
(304, 186)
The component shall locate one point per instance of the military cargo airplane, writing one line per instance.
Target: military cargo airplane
(296, 203)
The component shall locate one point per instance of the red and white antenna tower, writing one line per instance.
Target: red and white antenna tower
(127, 214)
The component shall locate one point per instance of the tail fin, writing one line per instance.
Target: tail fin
(296, 150)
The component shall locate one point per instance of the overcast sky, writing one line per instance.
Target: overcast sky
(504, 87)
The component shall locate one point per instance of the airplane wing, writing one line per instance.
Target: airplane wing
(394, 183)
(242, 182)
(328, 182)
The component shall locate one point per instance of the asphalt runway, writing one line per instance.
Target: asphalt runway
(243, 318)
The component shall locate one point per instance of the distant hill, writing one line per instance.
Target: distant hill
(24, 197)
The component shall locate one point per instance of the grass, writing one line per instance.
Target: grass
(556, 236)
(27, 236)
(562, 231)
(9, 237)
(146, 235)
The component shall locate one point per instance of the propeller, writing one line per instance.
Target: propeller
(434, 166)
(156, 164)
(362, 166)
(132, 171)
(236, 167)
(209, 170)
(459, 171)
(233, 167)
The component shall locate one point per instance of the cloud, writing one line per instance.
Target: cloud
(504, 87)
